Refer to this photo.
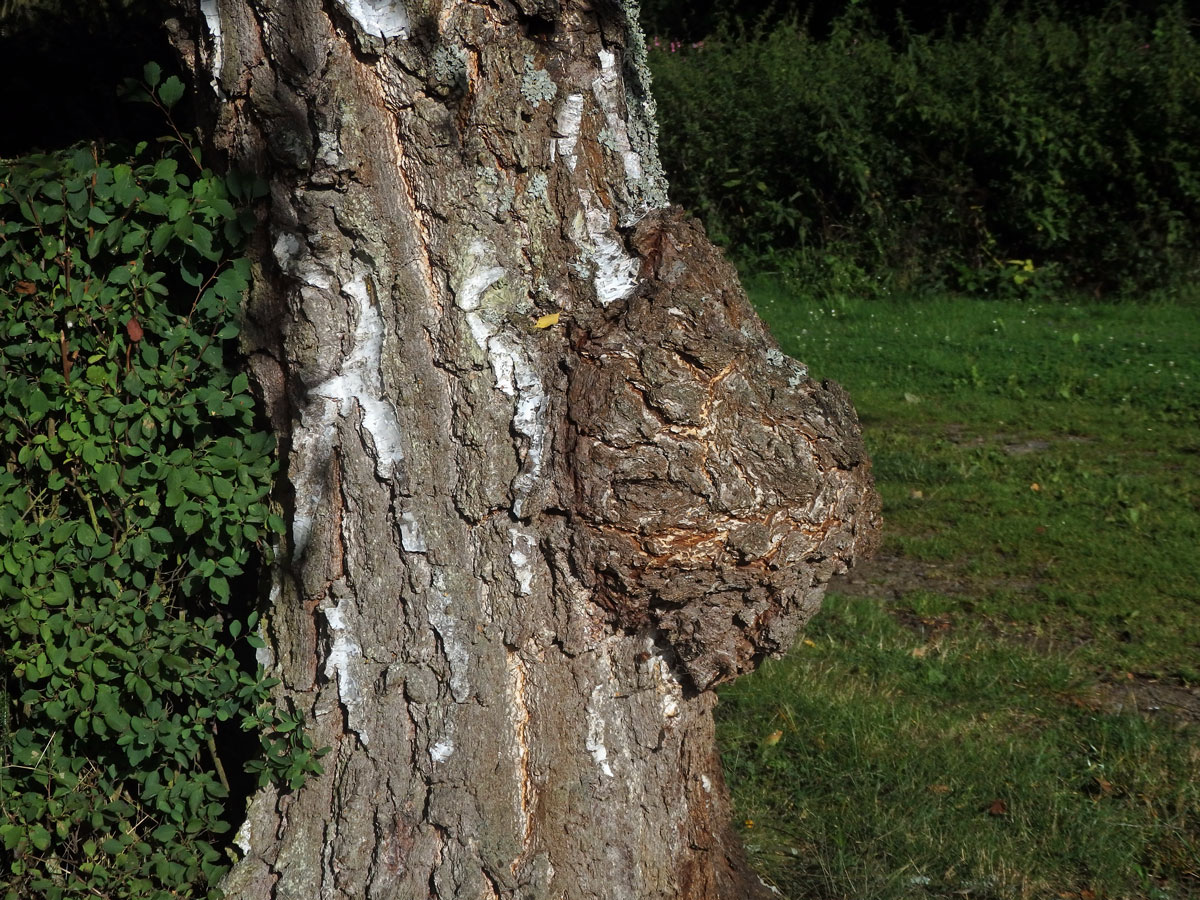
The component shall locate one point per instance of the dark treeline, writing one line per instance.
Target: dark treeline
(62, 63)
(1025, 152)
(695, 21)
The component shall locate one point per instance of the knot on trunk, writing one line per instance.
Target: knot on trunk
(716, 486)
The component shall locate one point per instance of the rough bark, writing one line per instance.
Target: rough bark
(522, 550)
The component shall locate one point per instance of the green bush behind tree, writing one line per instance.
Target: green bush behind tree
(1032, 151)
(135, 512)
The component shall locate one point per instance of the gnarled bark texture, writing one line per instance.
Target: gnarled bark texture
(549, 478)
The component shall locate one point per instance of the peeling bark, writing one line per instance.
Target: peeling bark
(522, 550)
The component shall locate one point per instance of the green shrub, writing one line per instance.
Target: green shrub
(945, 160)
(134, 513)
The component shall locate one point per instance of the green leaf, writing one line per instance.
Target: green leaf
(39, 837)
(170, 92)
(37, 402)
(222, 487)
(91, 453)
(107, 477)
(140, 547)
(152, 72)
(142, 689)
(165, 170)
(155, 204)
(190, 522)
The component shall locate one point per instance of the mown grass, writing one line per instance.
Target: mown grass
(977, 723)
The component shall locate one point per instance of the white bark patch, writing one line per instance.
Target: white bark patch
(312, 449)
(344, 651)
(479, 276)
(614, 272)
(442, 750)
(358, 381)
(518, 716)
(516, 377)
(263, 655)
(666, 684)
(456, 653)
(511, 366)
(384, 18)
(595, 735)
(361, 381)
(607, 87)
(288, 250)
(706, 783)
(210, 9)
(241, 840)
(521, 557)
(570, 119)
(329, 149)
(410, 534)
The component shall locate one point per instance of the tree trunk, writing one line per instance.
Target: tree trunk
(549, 479)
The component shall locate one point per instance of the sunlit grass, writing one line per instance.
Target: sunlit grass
(964, 742)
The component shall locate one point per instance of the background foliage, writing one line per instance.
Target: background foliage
(60, 64)
(134, 511)
(699, 19)
(1028, 150)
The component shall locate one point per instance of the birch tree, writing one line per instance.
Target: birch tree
(549, 479)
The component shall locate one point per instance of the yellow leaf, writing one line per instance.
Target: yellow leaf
(547, 321)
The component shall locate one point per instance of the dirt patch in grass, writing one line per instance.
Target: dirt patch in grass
(1149, 697)
(886, 577)
(890, 578)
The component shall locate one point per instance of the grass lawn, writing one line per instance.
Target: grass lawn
(1006, 702)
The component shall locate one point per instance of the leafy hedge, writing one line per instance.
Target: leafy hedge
(134, 514)
(1031, 150)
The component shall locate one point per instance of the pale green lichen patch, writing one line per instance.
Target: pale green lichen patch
(449, 67)
(608, 140)
(643, 114)
(536, 188)
(537, 85)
